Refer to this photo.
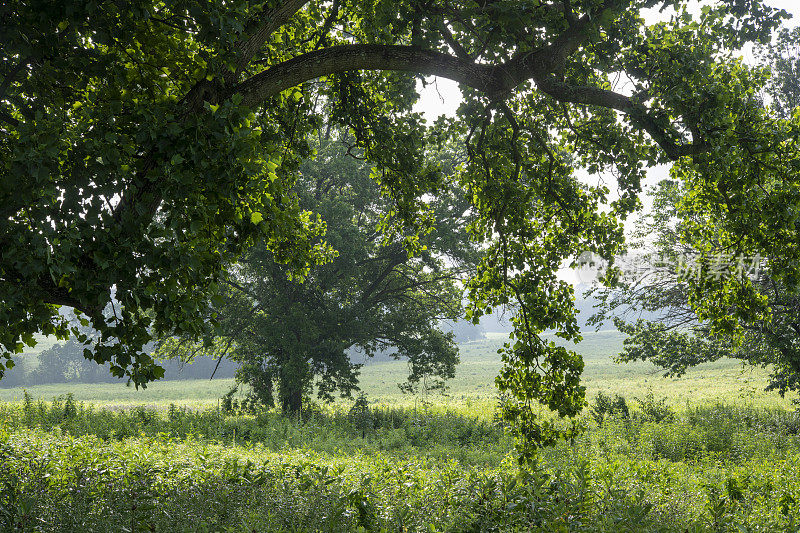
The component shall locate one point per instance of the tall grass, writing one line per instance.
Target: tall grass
(65, 466)
(399, 430)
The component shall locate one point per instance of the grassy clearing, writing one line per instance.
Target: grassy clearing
(473, 386)
(725, 380)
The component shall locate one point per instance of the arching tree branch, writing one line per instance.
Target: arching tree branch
(349, 57)
(259, 31)
(495, 81)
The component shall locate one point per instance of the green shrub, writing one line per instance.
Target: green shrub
(361, 415)
(606, 406)
(652, 410)
(724, 468)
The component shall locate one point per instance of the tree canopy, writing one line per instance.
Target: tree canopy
(144, 144)
(755, 318)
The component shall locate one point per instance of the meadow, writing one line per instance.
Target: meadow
(709, 451)
(724, 381)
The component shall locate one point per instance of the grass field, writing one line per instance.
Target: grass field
(720, 381)
(719, 455)
(724, 380)
(193, 393)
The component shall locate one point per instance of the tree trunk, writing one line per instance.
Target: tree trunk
(291, 397)
(291, 382)
(263, 387)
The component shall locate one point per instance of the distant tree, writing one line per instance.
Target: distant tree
(783, 58)
(465, 331)
(200, 367)
(373, 296)
(63, 363)
(66, 363)
(15, 376)
(673, 336)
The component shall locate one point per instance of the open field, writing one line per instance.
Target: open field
(723, 380)
(474, 382)
(195, 393)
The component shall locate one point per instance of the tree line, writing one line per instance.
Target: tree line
(65, 363)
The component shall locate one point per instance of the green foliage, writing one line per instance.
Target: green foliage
(361, 414)
(676, 337)
(652, 410)
(783, 58)
(65, 362)
(147, 202)
(605, 405)
(373, 296)
(145, 470)
(378, 429)
(145, 144)
(249, 405)
(716, 311)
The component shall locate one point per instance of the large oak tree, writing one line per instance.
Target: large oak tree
(145, 143)
(290, 338)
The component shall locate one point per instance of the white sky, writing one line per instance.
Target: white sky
(442, 97)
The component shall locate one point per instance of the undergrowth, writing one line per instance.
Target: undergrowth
(70, 467)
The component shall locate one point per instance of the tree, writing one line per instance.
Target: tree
(464, 331)
(145, 144)
(371, 297)
(673, 337)
(62, 363)
(709, 296)
(783, 58)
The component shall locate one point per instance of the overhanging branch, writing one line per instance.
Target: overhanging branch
(350, 57)
(262, 27)
(495, 81)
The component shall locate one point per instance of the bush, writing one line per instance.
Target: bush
(604, 406)
(723, 468)
(361, 415)
(652, 410)
(249, 405)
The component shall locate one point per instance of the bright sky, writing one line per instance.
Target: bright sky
(442, 97)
